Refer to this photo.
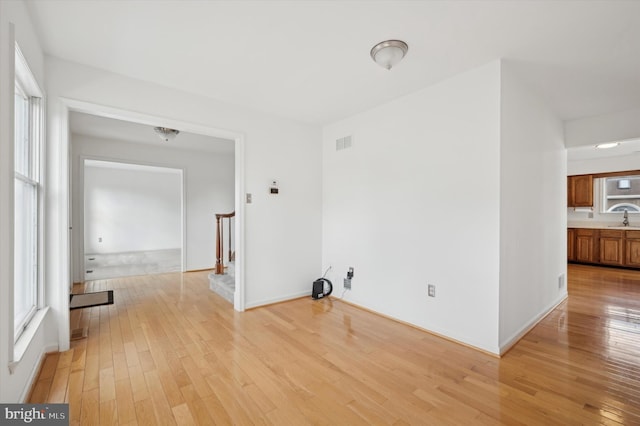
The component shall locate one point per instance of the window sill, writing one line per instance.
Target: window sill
(20, 347)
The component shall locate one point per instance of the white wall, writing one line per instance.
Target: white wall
(616, 126)
(416, 200)
(208, 183)
(283, 232)
(532, 209)
(134, 209)
(15, 26)
(603, 165)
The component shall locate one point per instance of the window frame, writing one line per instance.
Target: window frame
(26, 86)
(605, 198)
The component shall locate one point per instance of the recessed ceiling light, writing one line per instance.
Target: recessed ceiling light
(607, 145)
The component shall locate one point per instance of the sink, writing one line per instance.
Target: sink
(623, 227)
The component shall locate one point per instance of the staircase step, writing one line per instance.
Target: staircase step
(223, 284)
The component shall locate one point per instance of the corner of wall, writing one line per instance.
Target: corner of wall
(532, 206)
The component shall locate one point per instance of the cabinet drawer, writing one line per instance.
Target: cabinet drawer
(611, 233)
(633, 234)
(585, 232)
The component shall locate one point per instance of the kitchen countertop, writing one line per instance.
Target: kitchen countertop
(603, 225)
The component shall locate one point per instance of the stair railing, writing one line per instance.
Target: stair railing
(220, 217)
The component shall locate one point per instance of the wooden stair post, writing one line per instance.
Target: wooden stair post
(220, 241)
(219, 261)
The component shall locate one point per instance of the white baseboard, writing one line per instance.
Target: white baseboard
(35, 371)
(265, 302)
(527, 327)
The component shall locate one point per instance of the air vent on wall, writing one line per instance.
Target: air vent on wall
(343, 143)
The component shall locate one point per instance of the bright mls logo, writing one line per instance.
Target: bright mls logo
(36, 414)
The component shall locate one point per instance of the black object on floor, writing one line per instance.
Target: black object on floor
(88, 300)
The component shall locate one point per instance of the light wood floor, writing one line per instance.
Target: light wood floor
(171, 352)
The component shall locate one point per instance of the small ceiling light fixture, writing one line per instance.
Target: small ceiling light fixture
(607, 145)
(389, 53)
(165, 133)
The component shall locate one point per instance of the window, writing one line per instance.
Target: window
(27, 189)
(620, 194)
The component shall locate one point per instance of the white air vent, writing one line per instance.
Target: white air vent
(343, 143)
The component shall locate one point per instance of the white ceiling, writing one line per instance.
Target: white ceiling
(624, 148)
(309, 60)
(112, 129)
(113, 165)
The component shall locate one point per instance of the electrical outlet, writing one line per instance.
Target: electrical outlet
(99, 239)
(432, 290)
(347, 284)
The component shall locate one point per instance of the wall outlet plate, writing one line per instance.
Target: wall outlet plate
(347, 284)
(432, 290)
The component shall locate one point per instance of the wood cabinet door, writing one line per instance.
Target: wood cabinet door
(570, 197)
(632, 257)
(571, 244)
(580, 191)
(585, 245)
(611, 250)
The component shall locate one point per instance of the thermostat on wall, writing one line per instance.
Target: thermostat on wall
(274, 187)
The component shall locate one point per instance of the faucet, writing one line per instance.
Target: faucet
(625, 218)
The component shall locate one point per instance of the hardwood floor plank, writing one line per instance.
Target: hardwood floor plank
(216, 410)
(49, 366)
(90, 410)
(40, 392)
(145, 413)
(92, 373)
(124, 402)
(109, 413)
(183, 415)
(74, 394)
(161, 406)
(120, 367)
(169, 351)
(138, 384)
(107, 385)
(197, 406)
(58, 390)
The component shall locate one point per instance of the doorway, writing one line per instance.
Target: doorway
(133, 219)
(210, 179)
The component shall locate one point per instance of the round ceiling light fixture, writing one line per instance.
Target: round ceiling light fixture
(165, 133)
(389, 53)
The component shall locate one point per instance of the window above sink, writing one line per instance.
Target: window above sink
(620, 193)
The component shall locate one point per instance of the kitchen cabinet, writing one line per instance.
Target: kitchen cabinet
(612, 247)
(571, 244)
(632, 249)
(585, 245)
(580, 191)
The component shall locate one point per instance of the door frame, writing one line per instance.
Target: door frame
(62, 154)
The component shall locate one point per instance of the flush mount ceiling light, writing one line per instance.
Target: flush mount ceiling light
(607, 145)
(389, 53)
(165, 133)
